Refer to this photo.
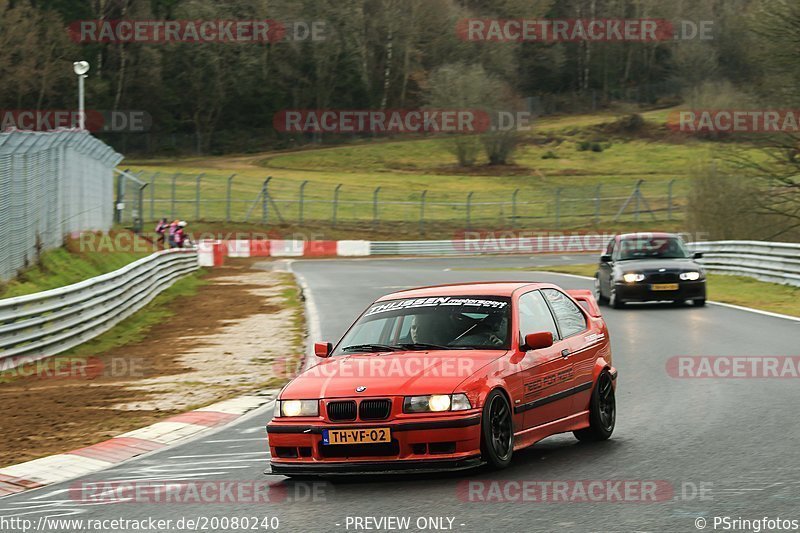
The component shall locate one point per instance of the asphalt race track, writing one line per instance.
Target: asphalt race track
(727, 447)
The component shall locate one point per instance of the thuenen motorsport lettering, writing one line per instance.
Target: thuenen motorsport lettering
(434, 302)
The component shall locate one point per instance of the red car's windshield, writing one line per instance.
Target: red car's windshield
(444, 322)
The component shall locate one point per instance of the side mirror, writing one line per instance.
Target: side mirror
(323, 349)
(537, 341)
(697, 255)
(605, 258)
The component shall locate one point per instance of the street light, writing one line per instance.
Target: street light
(81, 68)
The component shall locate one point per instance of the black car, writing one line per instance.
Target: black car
(643, 267)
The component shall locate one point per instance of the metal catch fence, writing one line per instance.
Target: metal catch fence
(235, 198)
(51, 184)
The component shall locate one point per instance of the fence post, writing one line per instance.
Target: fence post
(197, 197)
(669, 199)
(422, 211)
(172, 211)
(514, 208)
(636, 201)
(597, 204)
(558, 208)
(265, 201)
(138, 225)
(336, 203)
(136, 213)
(120, 196)
(302, 200)
(228, 199)
(153, 196)
(628, 200)
(469, 210)
(375, 207)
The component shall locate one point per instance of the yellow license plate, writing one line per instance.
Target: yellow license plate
(356, 436)
(664, 286)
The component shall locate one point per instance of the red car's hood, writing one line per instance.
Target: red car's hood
(389, 374)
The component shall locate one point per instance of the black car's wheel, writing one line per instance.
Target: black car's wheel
(700, 302)
(602, 411)
(598, 293)
(497, 430)
(614, 301)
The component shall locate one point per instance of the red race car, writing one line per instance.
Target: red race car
(448, 378)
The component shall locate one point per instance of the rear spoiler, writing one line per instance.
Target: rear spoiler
(587, 301)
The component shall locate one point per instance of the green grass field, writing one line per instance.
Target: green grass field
(403, 169)
(737, 290)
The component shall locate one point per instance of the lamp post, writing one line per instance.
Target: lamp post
(81, 68)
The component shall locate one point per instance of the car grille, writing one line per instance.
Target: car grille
(662, 277)
(342, 411)
(374, 409)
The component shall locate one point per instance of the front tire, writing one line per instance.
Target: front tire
(700, 302)
(602, 411)
(614, 300)
(598, 293)
(497, 430)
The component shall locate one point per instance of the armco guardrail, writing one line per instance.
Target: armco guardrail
(497, 243)
(778, 262)
(46, 323)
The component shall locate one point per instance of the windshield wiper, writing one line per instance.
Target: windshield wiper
(423, 346)
(371, 348)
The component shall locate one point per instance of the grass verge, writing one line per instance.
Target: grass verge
(737, 290)
(72, 264)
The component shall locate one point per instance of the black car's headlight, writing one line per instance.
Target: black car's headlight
(632, 277)
(691, 276)
(298, 408)
(436, 403)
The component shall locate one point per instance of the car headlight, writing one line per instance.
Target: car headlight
(436, 403)
(690, 276)
(298, 407)
(632, 277)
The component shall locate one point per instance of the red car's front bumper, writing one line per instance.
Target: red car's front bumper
(419, 444)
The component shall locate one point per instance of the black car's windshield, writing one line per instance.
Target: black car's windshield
(652, 248)
(443, 322)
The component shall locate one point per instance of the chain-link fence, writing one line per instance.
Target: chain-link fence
(51, 184)
(270, 201)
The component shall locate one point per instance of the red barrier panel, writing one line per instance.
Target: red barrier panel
(220, 251)
(319, 248)
(259, 248)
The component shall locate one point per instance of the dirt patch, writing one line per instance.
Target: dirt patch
(232, 337)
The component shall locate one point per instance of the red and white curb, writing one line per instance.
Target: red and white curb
(172, 431)
(212, 253)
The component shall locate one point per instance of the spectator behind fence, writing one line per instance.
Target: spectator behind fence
(180, 238)
(173, 227)
(161, 229)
